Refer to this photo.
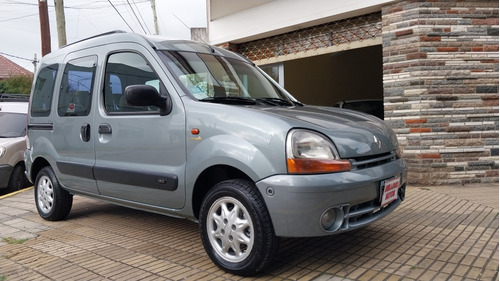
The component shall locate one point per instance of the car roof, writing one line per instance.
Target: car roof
(154, 41)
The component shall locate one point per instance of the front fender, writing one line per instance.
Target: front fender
(231, 151)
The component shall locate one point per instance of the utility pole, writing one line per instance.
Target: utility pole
(155, 18)
(44, 26)
(61, 22)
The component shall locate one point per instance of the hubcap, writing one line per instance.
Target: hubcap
(45, 194)
(230, 229)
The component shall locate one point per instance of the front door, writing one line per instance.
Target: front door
(140, 155)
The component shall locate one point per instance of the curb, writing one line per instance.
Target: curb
(16, 192)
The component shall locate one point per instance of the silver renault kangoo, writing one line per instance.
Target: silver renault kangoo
(194, 131)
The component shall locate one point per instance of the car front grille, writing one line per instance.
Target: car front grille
(373, 160)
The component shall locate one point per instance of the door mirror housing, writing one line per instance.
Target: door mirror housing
(146, 95)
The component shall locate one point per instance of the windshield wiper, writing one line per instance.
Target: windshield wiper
(230, 100)
(276, 101)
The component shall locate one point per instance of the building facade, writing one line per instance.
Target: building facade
(434, 63)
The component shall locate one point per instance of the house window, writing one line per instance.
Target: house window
(276, 71)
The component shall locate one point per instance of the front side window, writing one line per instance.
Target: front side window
(213, 78)
(43, 91)
(122, 70)
(75, 95)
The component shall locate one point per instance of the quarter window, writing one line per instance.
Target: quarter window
(75, 96)
(43, 91)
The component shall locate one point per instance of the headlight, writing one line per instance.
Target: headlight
(399, 152)
(395, 142)
(309, 152)
(2, 151)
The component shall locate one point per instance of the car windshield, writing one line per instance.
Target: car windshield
(12, 125)
(213, 78)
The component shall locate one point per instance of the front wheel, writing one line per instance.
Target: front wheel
(17, 179)
(52, 202)
(236, 228)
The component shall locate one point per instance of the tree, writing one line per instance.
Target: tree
(20, 84)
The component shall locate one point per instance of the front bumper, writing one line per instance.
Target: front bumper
(296, 203)
(5, 172)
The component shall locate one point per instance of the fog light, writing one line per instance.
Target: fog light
(331, 220)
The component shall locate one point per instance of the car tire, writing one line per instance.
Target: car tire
(17, 179)
(52, 202)
(236, 228)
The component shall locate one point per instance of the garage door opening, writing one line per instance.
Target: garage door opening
(340, 77)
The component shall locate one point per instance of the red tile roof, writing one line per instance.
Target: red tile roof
(9, 68)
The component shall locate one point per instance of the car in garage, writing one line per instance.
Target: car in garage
(374, 107)
(13, 121)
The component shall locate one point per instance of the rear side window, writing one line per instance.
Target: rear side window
(41, 100)
(75, 96)
(122, 70)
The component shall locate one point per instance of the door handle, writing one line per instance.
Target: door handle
(105, 129)
(85, 132)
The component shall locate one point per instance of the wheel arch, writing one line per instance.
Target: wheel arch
(210, 177)
(36, 167)
(20, 163)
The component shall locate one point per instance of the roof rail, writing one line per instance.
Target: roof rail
(95, 36)
(14, 97)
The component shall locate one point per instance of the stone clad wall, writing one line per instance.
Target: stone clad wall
(441, 88)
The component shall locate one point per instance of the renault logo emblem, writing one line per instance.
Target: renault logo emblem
(377, 141)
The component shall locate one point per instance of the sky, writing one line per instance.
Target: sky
(20, 36)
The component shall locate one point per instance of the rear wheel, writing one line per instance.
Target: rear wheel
(236, 228)
(52, 202)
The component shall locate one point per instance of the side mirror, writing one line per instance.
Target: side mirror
(146, 95)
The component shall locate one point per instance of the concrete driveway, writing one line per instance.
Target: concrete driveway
(438, 233)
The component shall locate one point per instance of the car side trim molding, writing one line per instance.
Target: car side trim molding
(77, 170)
(41, 126)
(163, 181)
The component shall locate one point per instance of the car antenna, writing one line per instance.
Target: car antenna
(199, 37)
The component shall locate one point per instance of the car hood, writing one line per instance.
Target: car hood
(10, 141)
(355, 134)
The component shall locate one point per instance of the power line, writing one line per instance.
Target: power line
(120, 16)
(86, 7)
(21, 58)
(138, 11)
(135, 15)
(21, 17)
(20, 2)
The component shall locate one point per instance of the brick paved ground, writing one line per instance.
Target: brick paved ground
(438, 233)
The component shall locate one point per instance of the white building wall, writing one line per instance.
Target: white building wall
(268, 18)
